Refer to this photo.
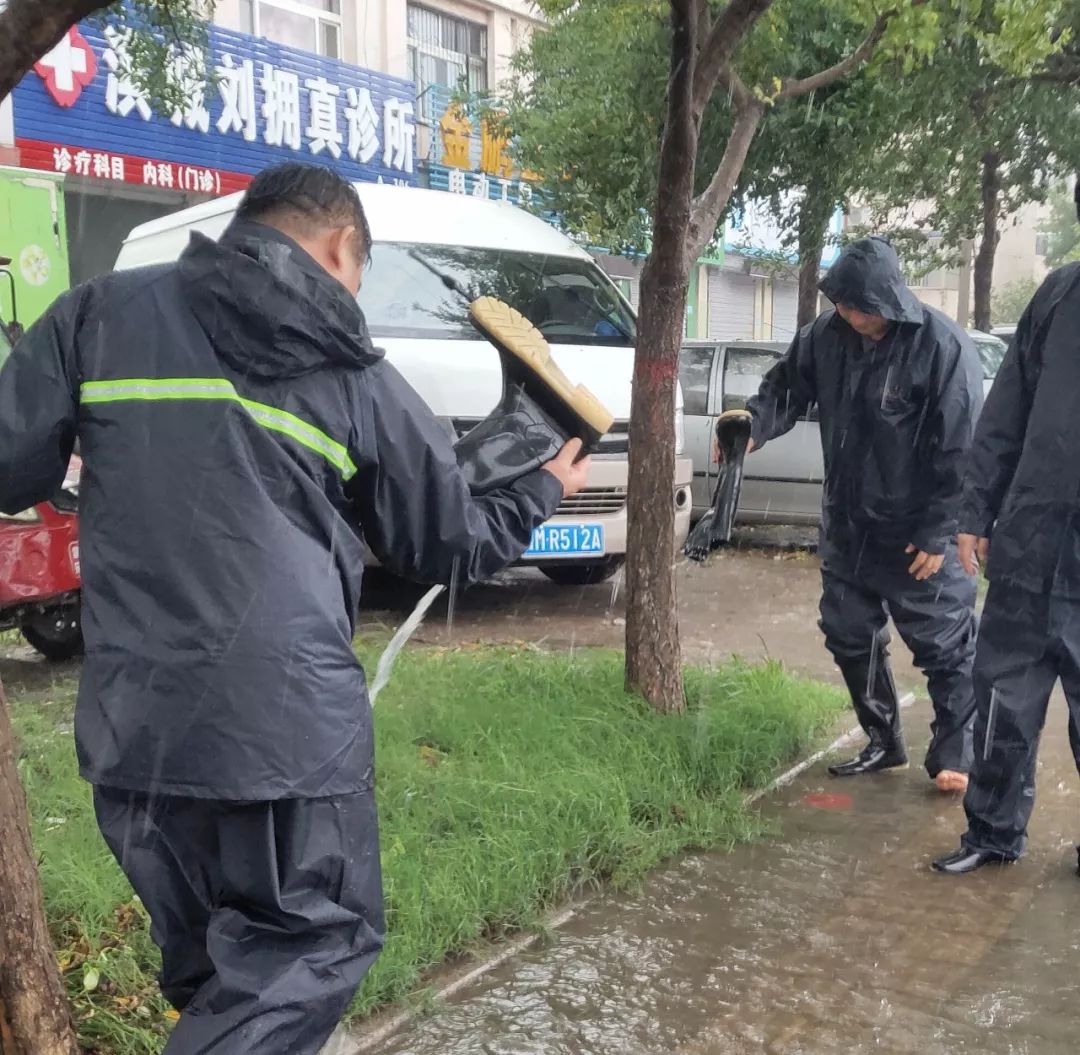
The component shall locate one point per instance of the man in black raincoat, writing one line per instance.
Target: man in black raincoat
(898, 387)
(241, 440)
(1021, 515)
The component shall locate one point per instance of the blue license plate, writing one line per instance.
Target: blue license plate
(567, 540)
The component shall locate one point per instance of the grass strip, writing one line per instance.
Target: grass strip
(509, 779)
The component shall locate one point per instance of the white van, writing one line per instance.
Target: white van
(428, 247)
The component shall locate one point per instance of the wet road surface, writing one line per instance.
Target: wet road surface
(755, 603)
(835, 937)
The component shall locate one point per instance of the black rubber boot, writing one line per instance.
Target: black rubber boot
(540, 409)
(714, 528)
(874, 758)
(962, 861)
(877, 706)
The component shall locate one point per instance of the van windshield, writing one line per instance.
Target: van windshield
(424, 291)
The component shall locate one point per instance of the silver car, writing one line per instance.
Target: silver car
(782, 482)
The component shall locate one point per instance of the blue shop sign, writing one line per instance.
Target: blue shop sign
(79, 112)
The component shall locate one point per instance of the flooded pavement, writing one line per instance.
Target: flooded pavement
(835, 937)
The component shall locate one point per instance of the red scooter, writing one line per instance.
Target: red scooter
(39, 558)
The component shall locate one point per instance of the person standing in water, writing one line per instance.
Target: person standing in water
(899, 389)
(1021, 518)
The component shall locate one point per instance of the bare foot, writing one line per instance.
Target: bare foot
(948, 780)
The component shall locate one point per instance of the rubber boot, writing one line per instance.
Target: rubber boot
(877, 707)
(540, 410)
(714, 528)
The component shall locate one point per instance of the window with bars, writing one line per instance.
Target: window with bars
(446, 52)
(313, 25)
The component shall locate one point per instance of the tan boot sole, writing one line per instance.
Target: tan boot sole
(509, 329)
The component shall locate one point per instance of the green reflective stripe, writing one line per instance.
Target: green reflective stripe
(165, 388)
(111, 392)
(290, 425)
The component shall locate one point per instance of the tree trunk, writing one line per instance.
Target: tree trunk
(34, 1014)
(682, 227)
(653, 655)
(30, 29)
(815, 210)
(984, 259)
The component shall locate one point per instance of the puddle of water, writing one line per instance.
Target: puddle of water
(833, 938)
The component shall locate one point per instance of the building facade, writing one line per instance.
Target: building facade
(88, 157)
(382, 91)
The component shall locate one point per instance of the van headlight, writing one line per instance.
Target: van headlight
(680, 432)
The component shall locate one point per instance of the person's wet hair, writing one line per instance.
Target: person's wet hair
(307, 199)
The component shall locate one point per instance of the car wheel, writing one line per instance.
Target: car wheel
(585, 574)
(56, 633)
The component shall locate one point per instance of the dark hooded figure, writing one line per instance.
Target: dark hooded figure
(898, 387)
(241, 439)
(1021, 517)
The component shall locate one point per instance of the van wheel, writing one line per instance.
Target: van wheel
(55, 633)
(587, 573)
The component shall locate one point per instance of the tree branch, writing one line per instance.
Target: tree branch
(741, 95)
(718, 46)
(709, 206)
(823, 78)
(1068, 76)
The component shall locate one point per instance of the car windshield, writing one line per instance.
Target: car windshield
(991, 351)
(424, 291)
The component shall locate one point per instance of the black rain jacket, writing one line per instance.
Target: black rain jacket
(897, 418)
(241, 438)
(1022, 488)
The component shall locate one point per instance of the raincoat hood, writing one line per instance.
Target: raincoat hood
(866, 276)
(270, 310)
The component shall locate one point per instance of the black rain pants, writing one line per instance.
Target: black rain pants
(268, 914)
(1027, 641)
(935, 618)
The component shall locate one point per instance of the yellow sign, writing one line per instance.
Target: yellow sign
(494, 160)
(456, 131)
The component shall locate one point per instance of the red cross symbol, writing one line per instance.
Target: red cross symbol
(68, 68)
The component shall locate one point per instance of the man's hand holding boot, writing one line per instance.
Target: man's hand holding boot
(571, 473)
